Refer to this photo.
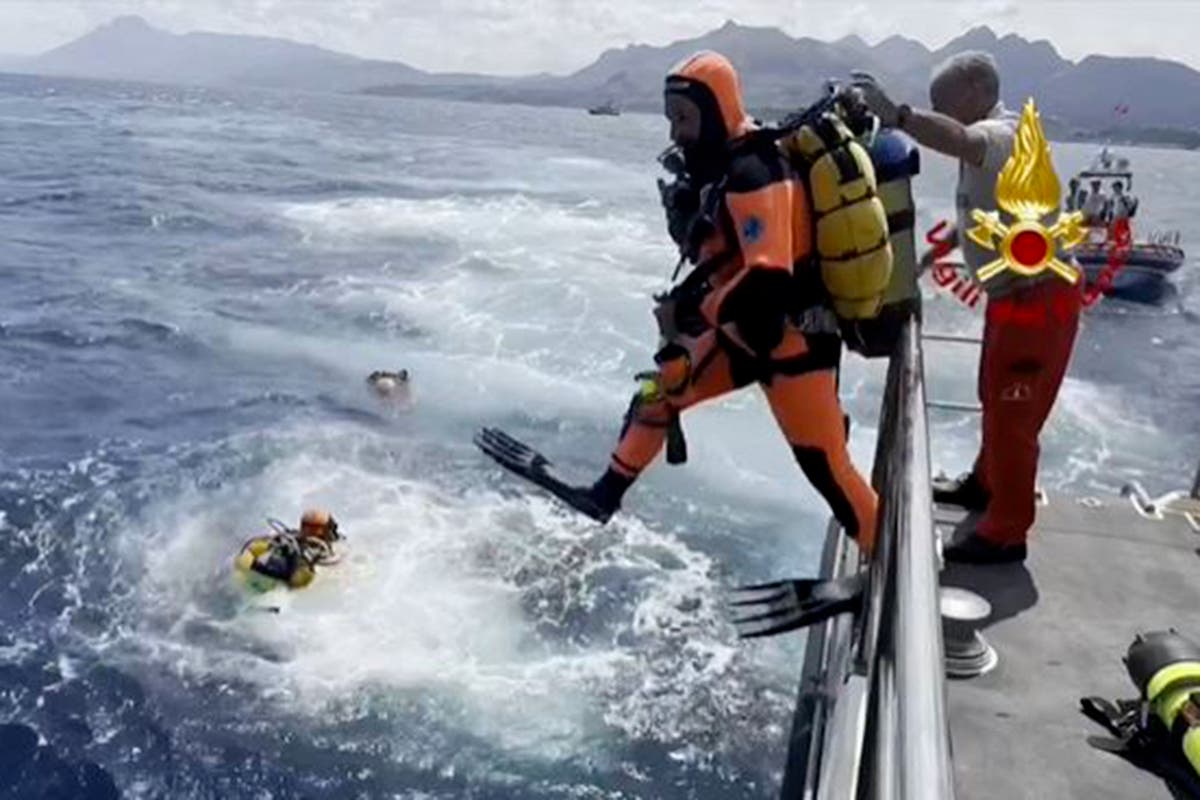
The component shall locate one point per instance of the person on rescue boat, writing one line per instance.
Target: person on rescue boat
(1030, 323)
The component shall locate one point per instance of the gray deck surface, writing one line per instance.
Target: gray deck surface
(1061, 624)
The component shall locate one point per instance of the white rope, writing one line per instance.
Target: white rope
(1153, 507)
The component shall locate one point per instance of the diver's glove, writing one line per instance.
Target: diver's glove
(759, 306)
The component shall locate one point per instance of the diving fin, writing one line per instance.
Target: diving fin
(523, 460)
(788, 605)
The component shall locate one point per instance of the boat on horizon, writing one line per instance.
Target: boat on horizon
(605, 109)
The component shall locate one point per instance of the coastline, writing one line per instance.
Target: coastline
(1186, 139)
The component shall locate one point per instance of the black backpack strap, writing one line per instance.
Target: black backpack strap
(1122, 719)
(695, 280)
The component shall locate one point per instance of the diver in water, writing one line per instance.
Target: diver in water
(386, 384)
(392, 388)
(753, 309)
(290, 557)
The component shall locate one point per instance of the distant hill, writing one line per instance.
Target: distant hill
(129, 48)
(1024, 65)
(779, 72)
(1159, 93)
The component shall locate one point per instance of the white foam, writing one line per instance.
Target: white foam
(516, 223)
(445, 593)
(565, 290)
(1095, 426)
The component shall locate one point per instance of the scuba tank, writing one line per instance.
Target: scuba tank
(896, 160)
(851, 248)
(864, 174)
(1160, 730)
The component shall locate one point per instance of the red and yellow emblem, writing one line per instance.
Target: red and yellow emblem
(1028, 189)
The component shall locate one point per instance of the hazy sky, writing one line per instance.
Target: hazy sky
(521, 36)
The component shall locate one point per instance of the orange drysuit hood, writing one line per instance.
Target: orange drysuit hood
(710, 81)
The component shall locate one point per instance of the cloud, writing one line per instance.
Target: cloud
(996, 10)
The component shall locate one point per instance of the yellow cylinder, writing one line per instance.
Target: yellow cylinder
(896, 161)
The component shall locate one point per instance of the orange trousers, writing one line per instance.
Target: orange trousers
(1027, 341)
(800, 382)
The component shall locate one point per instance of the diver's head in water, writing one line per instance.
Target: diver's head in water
(703, 102)
(393, 386)
(965, 87)
(317, 523)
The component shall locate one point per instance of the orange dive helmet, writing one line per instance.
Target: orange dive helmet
(319, 524)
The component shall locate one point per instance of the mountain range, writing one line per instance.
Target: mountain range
(778, 72)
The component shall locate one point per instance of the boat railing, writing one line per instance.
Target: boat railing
(871, 719)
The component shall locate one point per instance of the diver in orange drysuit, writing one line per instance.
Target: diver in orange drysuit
(759, 316)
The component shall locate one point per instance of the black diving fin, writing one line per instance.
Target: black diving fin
(523, 460)
(788, 605)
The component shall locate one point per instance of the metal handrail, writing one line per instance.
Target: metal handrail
(817, 695)
(871, 719)
(950, 405)
(958, 338)
(922, 727)
(842, 770)
(902, 646)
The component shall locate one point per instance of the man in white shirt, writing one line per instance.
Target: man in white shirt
(1124, 206)
(1095, 208)
(1030, 325)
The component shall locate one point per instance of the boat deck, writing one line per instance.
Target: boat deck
(1098, 573)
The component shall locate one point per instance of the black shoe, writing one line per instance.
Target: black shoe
(964, 492)
(974, 549)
